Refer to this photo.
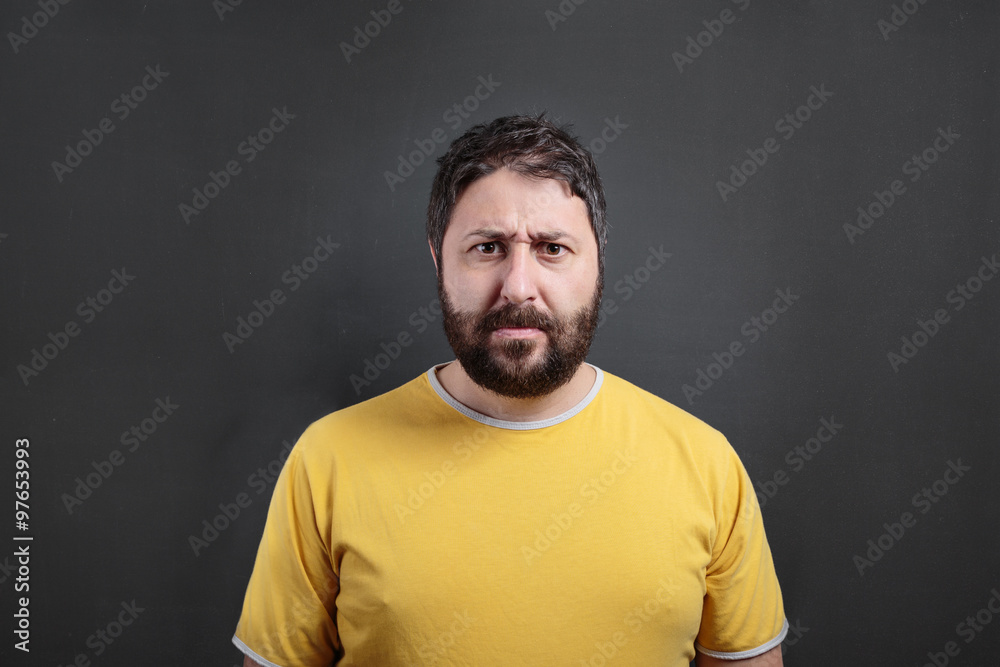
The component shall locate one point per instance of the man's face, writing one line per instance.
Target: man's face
(519, 284)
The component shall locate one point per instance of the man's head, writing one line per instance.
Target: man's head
(527, 145)
(517, 229)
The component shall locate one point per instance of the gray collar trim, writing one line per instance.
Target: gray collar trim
(515, 426)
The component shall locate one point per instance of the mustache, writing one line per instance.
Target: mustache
(510, 315)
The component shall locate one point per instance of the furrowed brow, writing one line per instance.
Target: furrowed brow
(493, 234)
(486, 233)
(551, 236)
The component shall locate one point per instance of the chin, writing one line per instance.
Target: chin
(519, 352)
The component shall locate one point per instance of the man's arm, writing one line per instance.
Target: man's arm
(247, 662)
(770, 659)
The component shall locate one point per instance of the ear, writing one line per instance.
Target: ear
(433, 256)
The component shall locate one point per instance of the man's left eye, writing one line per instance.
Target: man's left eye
(553, 249)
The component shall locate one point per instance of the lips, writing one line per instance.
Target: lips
(517, 332)
(513, 322)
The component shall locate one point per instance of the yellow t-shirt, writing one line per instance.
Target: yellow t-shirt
(409, 530)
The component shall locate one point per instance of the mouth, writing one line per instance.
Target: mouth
(517, 332)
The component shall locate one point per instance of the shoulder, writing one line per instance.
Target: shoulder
(675, 438)
(694, 459)
(657, 414)
(385, 415)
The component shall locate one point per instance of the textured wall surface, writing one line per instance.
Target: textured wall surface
(212, 235)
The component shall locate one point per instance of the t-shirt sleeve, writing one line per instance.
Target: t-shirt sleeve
(289, 614)
(743, 615)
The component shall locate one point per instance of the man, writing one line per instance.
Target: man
(517, 506)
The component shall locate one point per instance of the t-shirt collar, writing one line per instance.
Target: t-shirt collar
(514, 426)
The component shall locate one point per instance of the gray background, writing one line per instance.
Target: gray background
(324, 176)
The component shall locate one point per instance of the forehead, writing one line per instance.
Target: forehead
(509, 202)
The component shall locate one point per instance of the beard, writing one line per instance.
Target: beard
(516, 368)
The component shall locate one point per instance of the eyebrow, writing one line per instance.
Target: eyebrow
(493, 234)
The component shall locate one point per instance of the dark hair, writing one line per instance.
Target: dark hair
(529, 145)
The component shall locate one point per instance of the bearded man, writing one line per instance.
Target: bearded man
(516, 506)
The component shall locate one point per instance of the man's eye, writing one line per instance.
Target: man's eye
(553, 249)
(488, 248)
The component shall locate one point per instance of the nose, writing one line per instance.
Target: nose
(519, 277)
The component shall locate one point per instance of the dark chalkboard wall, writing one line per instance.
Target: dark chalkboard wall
(212, 235)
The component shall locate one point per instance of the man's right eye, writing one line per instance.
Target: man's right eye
(487, 248)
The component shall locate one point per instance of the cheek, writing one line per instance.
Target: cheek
(469, 291)
(570, 295)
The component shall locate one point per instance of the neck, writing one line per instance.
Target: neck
(461, 387)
